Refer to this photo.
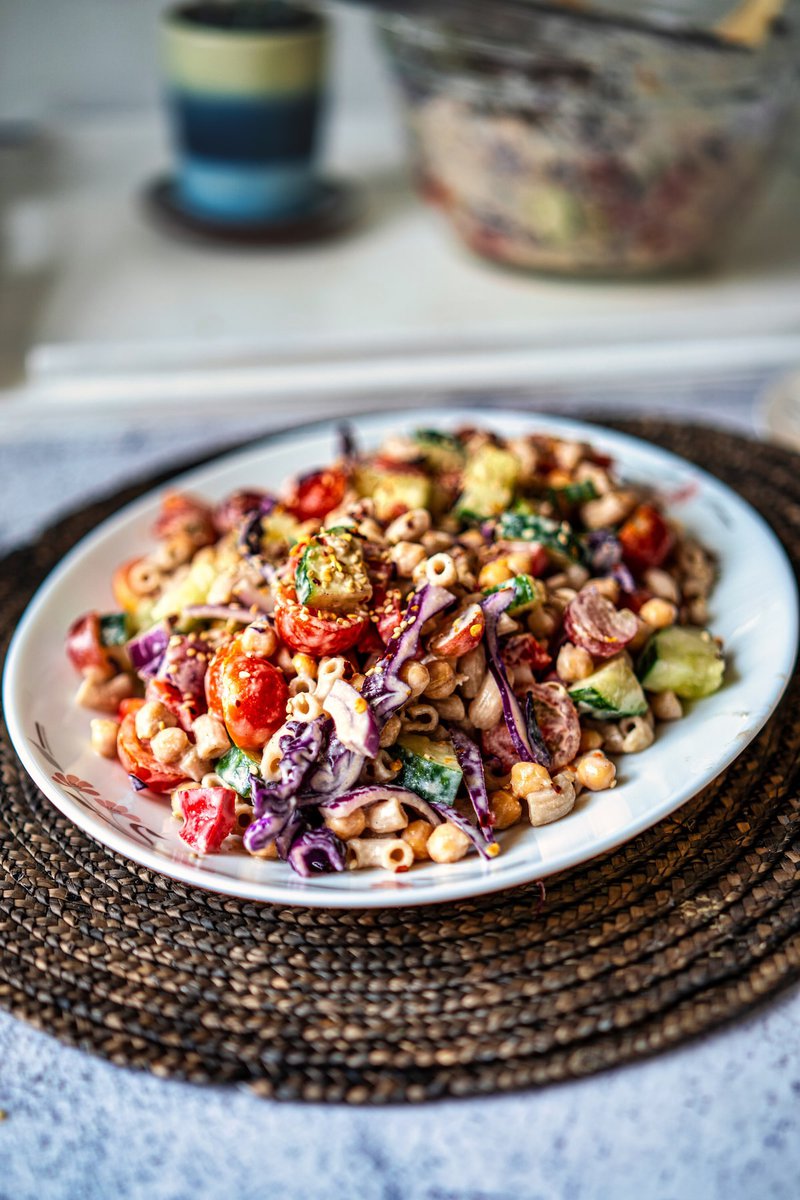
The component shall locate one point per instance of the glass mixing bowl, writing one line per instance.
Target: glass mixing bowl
(583, 145)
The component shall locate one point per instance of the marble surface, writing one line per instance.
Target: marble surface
(718, 1118)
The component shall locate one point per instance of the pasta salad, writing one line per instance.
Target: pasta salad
(400, 655)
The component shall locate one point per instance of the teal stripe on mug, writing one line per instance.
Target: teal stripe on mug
(236, 192)
(257, 131)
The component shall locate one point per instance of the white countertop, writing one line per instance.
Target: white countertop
(716, 1119)
(99, 310)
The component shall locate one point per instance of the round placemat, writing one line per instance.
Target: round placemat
(683, 928)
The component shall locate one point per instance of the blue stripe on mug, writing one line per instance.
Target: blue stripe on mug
(231, 192)
(241, 130)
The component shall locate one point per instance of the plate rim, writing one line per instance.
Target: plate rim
(308, 893)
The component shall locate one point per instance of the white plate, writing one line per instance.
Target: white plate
(754, 608)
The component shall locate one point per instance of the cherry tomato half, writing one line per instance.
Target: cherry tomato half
(317, 494)
(317, 633)
(646, 538)
(138, 760)
(462, 634)
(524, 648)
(84, 647)
(167, 694)
(253, 695)
(131, 704)
(388, 613)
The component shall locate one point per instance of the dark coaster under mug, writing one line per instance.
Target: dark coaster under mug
(335, 209)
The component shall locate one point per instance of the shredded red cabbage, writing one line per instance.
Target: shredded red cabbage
(273, 813)
(383, 687)
(147, 649)
(343, 805)
(485, 849)
(471, 763)
(493, 608)
(356, 727)
(315, 851)
(339, 770)
(184, 666)
(218, 612)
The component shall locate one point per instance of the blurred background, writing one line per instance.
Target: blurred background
(561, 211)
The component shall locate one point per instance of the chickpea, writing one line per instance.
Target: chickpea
(494, 573)
(506, 809)
(520, 562)
(351, 826)
(168, 745)
(104, 736)
(659, 613)
(259, 639)
(447, 843)
(417, 834)
(152, 717)
(573, 663)
(528, 777)
(607, 586)
(595, 771)
(590, 740)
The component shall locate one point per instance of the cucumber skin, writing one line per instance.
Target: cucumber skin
(593, 705)
(427, 778)
(556, 536)
(589, 695)
(114, 629)
(235, 768)
(695, 673)
(528, 593)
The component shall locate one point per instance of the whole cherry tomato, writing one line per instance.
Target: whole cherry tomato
(85, 649)
(317, 633)
(646, 538)
(317, 494)
(138, 760)
(253, 695)
(181, 513)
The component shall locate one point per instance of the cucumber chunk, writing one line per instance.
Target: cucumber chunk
(683, 660)
(612, 692)
(235, 768)
(429, 768)
(331, 575)
(488, 484)
(394, 489)
(114, 629)
(557, 537)
(441, 451)
(528, 593)
(192, 588)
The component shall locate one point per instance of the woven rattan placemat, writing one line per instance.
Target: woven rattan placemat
(683, 928)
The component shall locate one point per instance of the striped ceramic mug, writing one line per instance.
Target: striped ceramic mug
(244, 81)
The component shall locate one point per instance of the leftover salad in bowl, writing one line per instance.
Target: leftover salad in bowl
(400, 655)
